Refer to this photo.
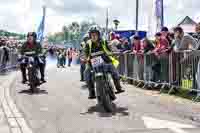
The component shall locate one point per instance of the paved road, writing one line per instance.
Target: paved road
(4, 126)
(63, 107)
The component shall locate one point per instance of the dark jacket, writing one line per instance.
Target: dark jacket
(148, 47)
(26, 47)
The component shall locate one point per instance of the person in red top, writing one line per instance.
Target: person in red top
(70, 55)
(161, 44)
(160, 68)
(138, 59)
(166, 34)
(137, 47)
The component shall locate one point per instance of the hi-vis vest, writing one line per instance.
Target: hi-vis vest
(115, 62)
(83, 44)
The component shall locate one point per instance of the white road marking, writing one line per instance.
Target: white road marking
(15, 119)
(44, 109)
(153, 123)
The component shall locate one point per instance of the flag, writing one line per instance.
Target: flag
(159, 14)
(40, 30)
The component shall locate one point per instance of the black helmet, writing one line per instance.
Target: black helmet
(94, 29)
(33, 34)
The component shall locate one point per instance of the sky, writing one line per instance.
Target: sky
(25, 15)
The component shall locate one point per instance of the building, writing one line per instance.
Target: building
(188, 25)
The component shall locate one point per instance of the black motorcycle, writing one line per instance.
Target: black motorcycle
(31, 62)
(102, 79)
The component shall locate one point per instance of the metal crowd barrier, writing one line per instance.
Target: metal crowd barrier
(10, 62)
(172, 71)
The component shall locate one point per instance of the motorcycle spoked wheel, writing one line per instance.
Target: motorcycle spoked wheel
(33, 79)
(103, 94)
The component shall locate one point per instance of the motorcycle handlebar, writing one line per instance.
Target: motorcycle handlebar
(101, 53)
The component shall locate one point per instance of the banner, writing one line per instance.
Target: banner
(129, 33)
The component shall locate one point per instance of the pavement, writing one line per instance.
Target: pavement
(4, 125)
(62, 107)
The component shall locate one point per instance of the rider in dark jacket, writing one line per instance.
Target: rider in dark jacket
(31, 45)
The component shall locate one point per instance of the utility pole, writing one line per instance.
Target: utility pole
(107, 22)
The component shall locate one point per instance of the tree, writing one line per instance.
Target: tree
(72, 33)
(9, 34)
(66, 33)
(84, 27)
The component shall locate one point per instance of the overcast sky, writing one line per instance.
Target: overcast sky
(25, 15)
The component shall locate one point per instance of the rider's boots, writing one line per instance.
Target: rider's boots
(42, 69)
(118, 86)
(91, 90)
(23, 70)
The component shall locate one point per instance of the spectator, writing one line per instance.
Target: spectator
(5, 55)
(160, 67)
(114, 43)
(148, 47)
(126, 46)
(196, 74)
(184, 41)
(197, 35)
(165, 34)
(70, 56)
(138, 58)
(175, 65)
(136, 45)
(171, 37)
(161, 44)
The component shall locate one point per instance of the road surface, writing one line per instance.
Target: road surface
(62, 107)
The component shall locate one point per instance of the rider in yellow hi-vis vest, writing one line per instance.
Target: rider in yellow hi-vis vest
(115, 62)
(96, 44)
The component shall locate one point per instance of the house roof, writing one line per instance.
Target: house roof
(187, 21)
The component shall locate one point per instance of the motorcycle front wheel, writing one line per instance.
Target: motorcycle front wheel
(33, 79)
(104, 98)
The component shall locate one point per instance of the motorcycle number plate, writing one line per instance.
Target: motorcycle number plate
(23, 61)
(31, 59)
(96, 61)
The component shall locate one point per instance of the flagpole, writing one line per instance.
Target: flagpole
(162, 13)
(137, 13)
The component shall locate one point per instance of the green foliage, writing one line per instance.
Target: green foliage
(11, 34)
(73, 32)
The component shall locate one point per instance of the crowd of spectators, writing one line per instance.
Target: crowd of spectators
(8, 48)
(157, 52)
(151, 56)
